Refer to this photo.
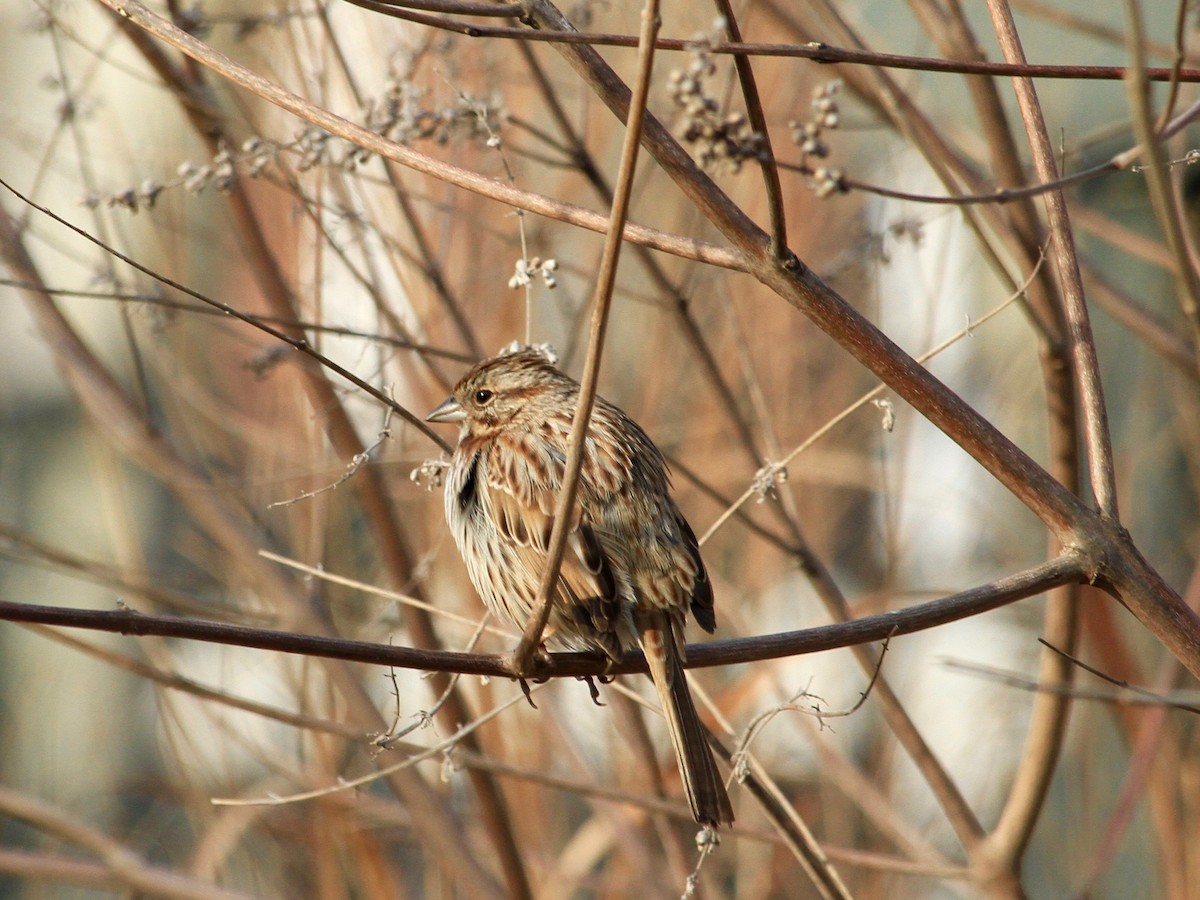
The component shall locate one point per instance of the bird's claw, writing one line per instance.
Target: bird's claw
(527, 672)
(525, 690)
(519, 665)
(594, 691)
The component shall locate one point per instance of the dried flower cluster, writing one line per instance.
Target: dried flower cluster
(720, 141)
(527, 268)
(255, 155)
(768, 478)
(397, 116)
(809, 137)
(430, 474)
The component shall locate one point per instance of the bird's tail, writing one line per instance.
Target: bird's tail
(701, 780)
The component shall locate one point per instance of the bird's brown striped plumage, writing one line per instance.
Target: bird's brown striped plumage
(632, 567)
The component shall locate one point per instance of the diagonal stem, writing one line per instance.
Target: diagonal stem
(758, 119)
(1080, 342)
(1158, 182)
(602, 303)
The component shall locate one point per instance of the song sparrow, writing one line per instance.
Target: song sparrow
(632, 565)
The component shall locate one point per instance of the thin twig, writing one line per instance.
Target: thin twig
(758, 120)
(766, 476)
(441, 612)
(1162, 194)
(460, 8)
(605, 281)
(425, 716)
(299, 344)
(1126, 694)
(815, 51)
(346, 784)
(1120, 162)
(352, 467)
(1081, 344)
(758, 724)
(205, 310)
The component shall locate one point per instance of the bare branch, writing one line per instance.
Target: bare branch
(815, 51)
(1064, 570)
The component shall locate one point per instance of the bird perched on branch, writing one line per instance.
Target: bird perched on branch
(632, 567)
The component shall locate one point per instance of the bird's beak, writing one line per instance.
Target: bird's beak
(449, 411)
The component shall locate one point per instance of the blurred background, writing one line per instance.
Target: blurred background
(151, 453)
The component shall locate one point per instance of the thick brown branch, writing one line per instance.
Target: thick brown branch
(1064, 570)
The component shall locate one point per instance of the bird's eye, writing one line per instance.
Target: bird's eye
(483, 396)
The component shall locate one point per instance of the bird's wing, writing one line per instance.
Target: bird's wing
(625, 494)
(523, 478)
(702, 592)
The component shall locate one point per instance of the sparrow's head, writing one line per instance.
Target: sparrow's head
(505, 390)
